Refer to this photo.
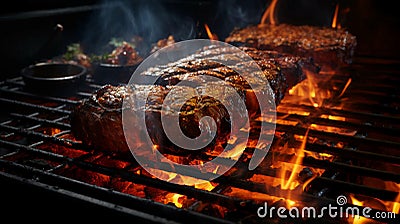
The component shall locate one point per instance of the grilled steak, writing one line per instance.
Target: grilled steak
(97, 121)
(330, 48)
(283, 71)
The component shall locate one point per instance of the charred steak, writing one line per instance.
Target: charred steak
(97, 120)
(330, 48)
(282, 70)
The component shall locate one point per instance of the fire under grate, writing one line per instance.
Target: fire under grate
(336, 138)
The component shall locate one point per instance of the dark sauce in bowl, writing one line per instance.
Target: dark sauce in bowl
(54, 78)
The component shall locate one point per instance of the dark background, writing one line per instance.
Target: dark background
(29, 28)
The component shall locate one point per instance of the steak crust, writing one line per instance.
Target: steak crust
(97, 120)
(330, 48)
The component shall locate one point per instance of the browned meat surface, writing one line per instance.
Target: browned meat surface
(283, 71)
(294, 68)
(330, 48)
(97, 121)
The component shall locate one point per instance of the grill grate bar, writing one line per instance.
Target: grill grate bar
(30, 133)
(375, 117)
(357, 154)
(41, 97)
(350, 169)
(132, 200)
(350, 113)
(346, 168)
(136, 178)
(309, 161)
(34, 106)
(338, 137)
(43, 121)
(187, 190)
(352, 154)
(364, 126)
(356, 188)
(117, 198)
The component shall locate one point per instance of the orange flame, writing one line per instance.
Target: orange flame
(345, 87)
(309, 92)
(308, 182)
(396, 205)
(176, 199)
(210, 35)
(335, 16)
(291, 183)
(269, 14)
(357, 219)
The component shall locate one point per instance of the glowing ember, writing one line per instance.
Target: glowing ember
(325, 155)
(205, 186)
(210, 35)
(236, 152)
(287, 122)
(51, 131)
(176, 199)
(332, 117)
(269, 14)
(185, 180)
(249, 195)
(290, 203)
(357, 219)
(326, 128)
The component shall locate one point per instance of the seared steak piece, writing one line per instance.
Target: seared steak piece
(97, 120)
(283, 71)
(294, 68)
(330, 48)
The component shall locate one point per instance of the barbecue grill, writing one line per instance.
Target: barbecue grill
(340, 141)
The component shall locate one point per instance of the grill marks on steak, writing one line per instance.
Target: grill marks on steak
(283, 71)
(97, 120)
(330, 48)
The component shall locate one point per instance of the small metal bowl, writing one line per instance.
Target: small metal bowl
(113, 74)
(54, 78)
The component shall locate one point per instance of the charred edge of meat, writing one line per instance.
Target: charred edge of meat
(293, 67)
(328, 47)
(189, 119)
(97, 121)
(281, 72)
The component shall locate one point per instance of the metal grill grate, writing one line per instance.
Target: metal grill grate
(37, 148)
